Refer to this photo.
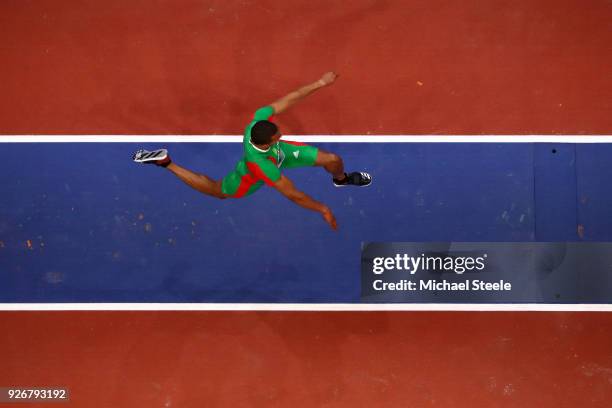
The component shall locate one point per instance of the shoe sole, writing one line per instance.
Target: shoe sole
(351, 185)
(145, 156)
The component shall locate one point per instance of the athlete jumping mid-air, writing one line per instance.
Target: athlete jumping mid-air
(265, 154)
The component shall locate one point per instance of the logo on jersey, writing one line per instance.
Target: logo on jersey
(296, 154)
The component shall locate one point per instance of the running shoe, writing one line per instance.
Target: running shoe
(356, 178)
(158, 157)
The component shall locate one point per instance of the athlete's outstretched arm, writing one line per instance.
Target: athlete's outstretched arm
(287, 188)
(290, 99)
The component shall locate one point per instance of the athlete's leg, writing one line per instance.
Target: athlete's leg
(301, 155)
(199, 182)
(235, 184)
(332, 163)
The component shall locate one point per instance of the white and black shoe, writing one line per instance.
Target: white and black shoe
(158, 157)
(356, 178)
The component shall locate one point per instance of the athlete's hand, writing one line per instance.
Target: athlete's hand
(328, 78)
(329, 218)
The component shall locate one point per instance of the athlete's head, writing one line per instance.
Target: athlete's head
(264, 132)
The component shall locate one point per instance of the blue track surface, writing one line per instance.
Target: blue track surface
(103, 229)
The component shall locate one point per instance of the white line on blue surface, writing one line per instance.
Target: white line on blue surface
(310, 307)
(309, 138)
(506, 307)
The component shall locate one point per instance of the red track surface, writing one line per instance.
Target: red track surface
(200, 67)
(410, 67)
(299, 359)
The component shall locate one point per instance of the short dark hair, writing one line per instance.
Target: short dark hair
(262, 132)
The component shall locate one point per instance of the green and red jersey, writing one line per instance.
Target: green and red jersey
(259, 166)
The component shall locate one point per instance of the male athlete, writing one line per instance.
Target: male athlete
(264, 157)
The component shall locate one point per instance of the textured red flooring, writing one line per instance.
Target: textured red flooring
(301, 359)
(407, 67)
(201, 67)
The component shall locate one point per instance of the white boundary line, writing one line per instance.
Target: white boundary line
(309, 307)
(309, 138)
